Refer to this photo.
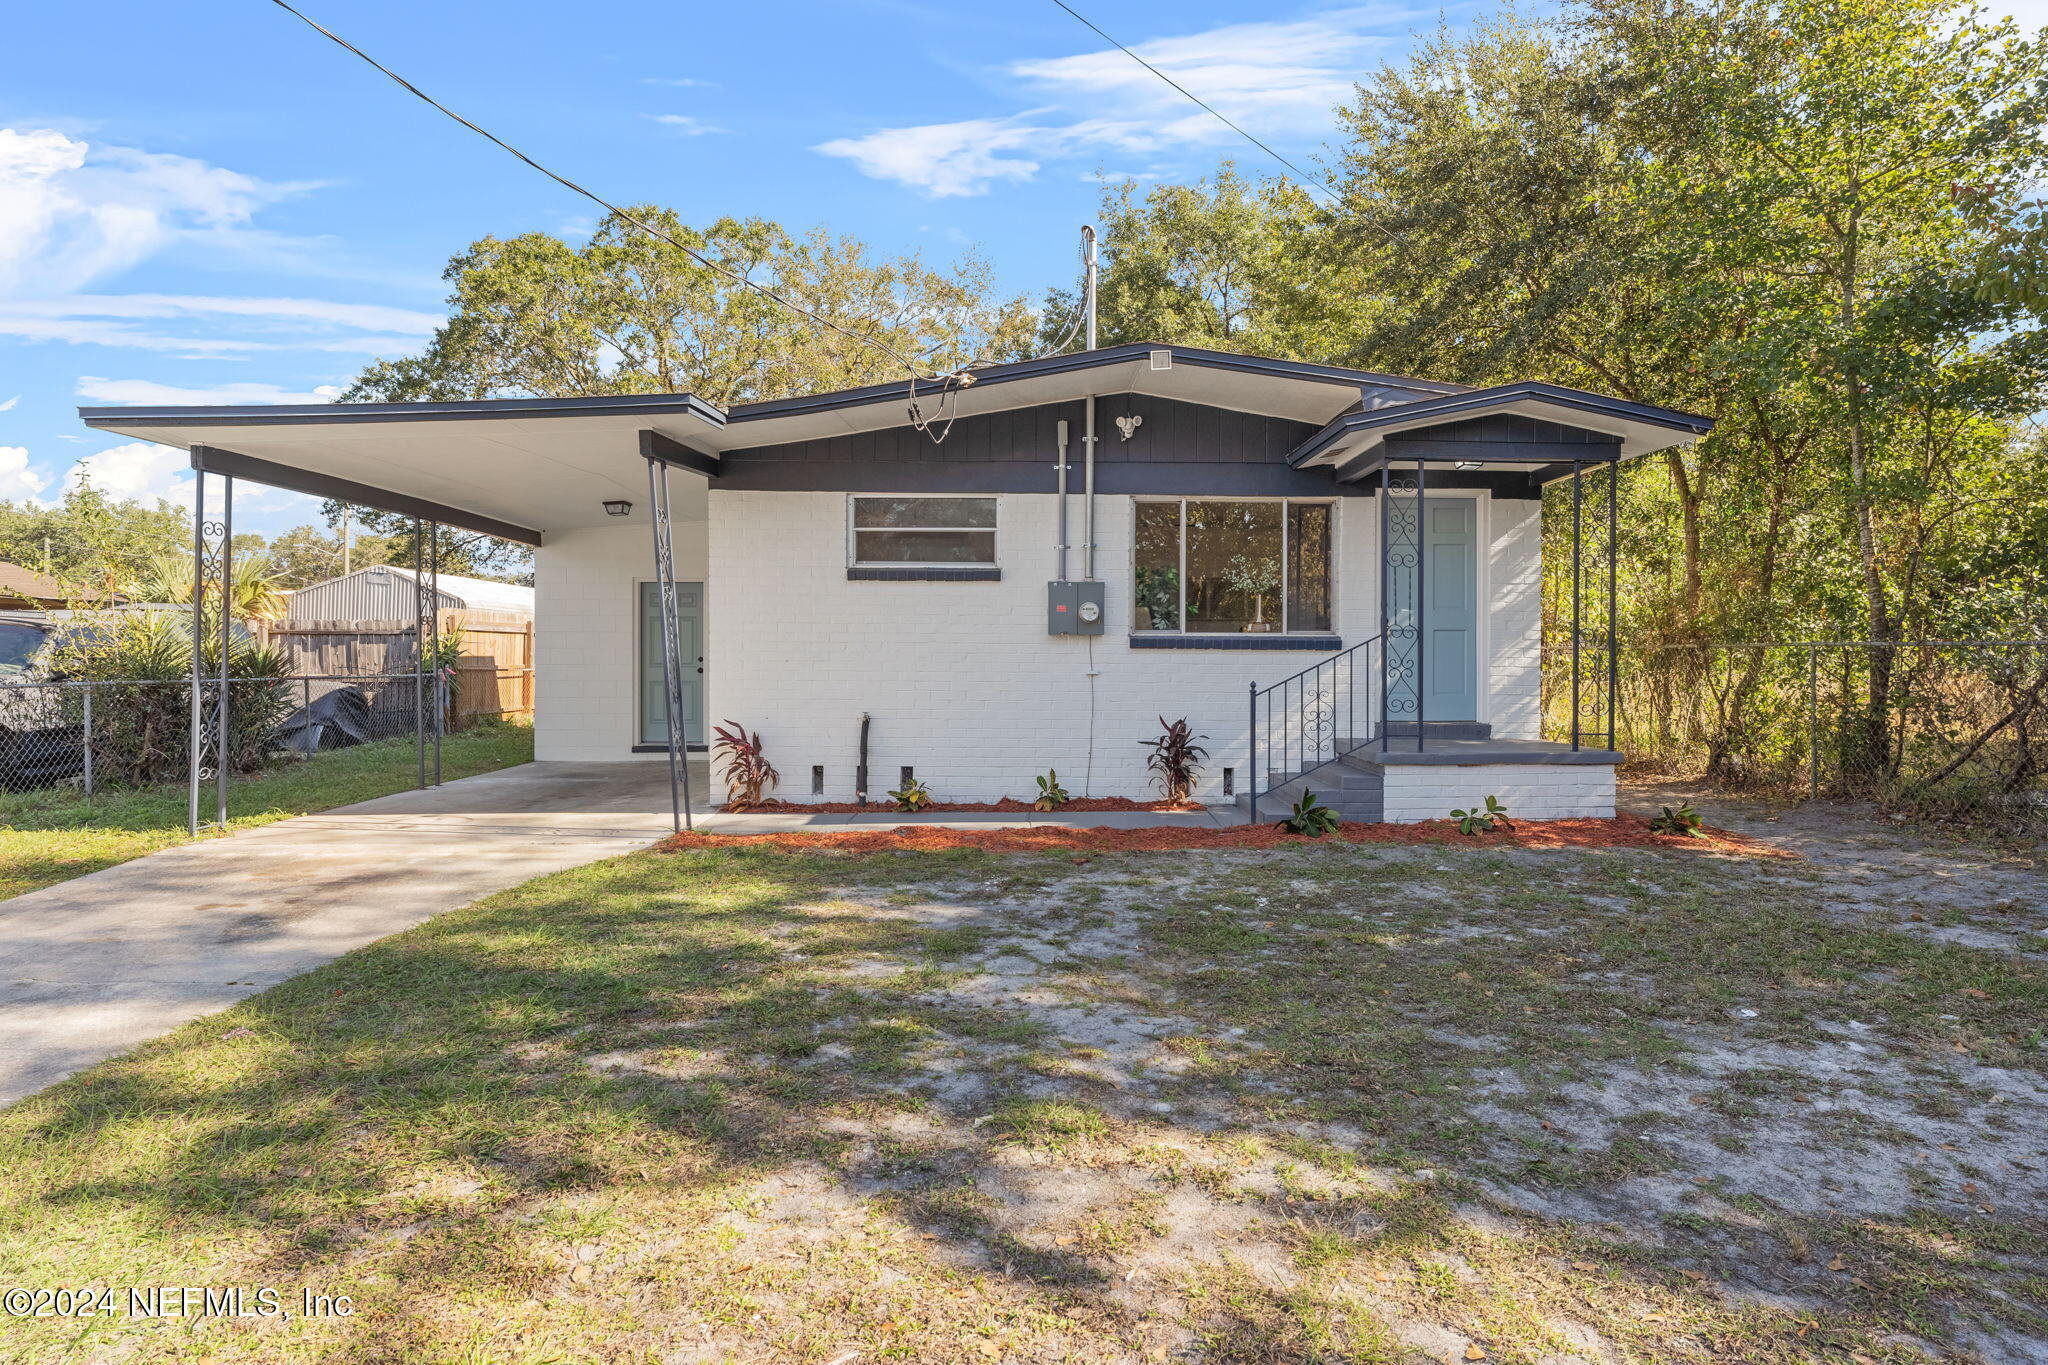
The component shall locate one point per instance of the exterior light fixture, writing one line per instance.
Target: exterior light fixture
(618, 507)
(1466, 464)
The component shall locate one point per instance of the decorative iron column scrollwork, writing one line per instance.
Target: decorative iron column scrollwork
(209, 717)
(1400, 563)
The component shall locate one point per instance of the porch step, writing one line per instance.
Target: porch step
(1436, 729)
(1352, 793)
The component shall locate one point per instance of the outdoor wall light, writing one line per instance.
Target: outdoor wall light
(618, 507)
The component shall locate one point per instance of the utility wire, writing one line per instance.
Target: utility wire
(1303, 177)
(949, 381)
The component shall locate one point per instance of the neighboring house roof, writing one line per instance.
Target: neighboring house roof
(19, 585)
(517, 467)
(364, 594)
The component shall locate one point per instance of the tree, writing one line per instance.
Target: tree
(306, 554)
(1222, 263)
(1854, 162)
(88, 540)
(626, 313)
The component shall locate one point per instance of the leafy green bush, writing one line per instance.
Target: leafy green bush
(914, 796)
(141, 665)
(1310, 817)
(1682, 819)
(1051, 795)
(1483, 819)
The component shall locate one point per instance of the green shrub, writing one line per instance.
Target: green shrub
(141, 665)
(1310, 817)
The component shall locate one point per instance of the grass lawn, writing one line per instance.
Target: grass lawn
(1312, 1104)
(55, 834)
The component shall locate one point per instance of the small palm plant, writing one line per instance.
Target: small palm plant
(1176, 760)
(749, 776)
(1310, 817)
(1051, 795)
(913, 796)
(1681, 820)
(1482, 819)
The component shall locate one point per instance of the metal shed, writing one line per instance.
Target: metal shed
(384, 592)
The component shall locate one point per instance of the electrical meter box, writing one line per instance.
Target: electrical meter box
(1073, 608)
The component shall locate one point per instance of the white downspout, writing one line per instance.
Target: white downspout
(1088, 416)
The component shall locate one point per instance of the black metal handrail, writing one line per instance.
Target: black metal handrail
(1297, 720)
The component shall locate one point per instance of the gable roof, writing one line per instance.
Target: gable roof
(1354, 439)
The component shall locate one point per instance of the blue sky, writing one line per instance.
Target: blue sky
(207, 202)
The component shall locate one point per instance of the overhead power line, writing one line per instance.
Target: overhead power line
(950, 381)
(1305, 179)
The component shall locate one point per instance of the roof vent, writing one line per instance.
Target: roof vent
(1162, 360)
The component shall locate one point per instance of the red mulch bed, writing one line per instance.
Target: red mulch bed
(1623, 831)
(1009, 804)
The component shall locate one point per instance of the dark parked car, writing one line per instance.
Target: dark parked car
(40, 741)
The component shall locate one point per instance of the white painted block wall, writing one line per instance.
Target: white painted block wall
(586, 586)
(960, 679)
(1530, 791)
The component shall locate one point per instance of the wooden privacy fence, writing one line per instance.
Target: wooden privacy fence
(493, 675)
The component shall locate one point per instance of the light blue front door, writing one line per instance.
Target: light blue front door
(690, 645)
(1449, 629)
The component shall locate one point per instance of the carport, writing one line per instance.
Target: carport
(517, 469)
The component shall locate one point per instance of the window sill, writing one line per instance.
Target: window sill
(977, 574)
(1249, 640)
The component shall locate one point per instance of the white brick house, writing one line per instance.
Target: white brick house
(1375, 539)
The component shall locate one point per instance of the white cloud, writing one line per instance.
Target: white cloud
(1279, 80)
(945, 159)
(18, 482)
(141, 470)
(684, 82)
(685, 124)
(367, 316)
(72, 212)
(217, 328)
(148, 391)
(10, 403)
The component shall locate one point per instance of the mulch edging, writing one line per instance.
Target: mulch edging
(1623, 831)
(1009, 805)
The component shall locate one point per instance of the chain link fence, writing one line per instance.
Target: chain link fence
(137, 732)
(1953, 732)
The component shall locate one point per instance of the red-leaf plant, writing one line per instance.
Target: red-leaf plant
(749, 776)
(1176, 760)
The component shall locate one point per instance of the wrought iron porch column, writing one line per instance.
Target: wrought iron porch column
(420, 606)
(671, 659)
(207, 736)
(1421, 606)
(1578, 541)
(1386, 560)
(1613, 596)
(222, 712)
(440, 689)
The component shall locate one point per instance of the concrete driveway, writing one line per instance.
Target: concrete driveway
(95, 965)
